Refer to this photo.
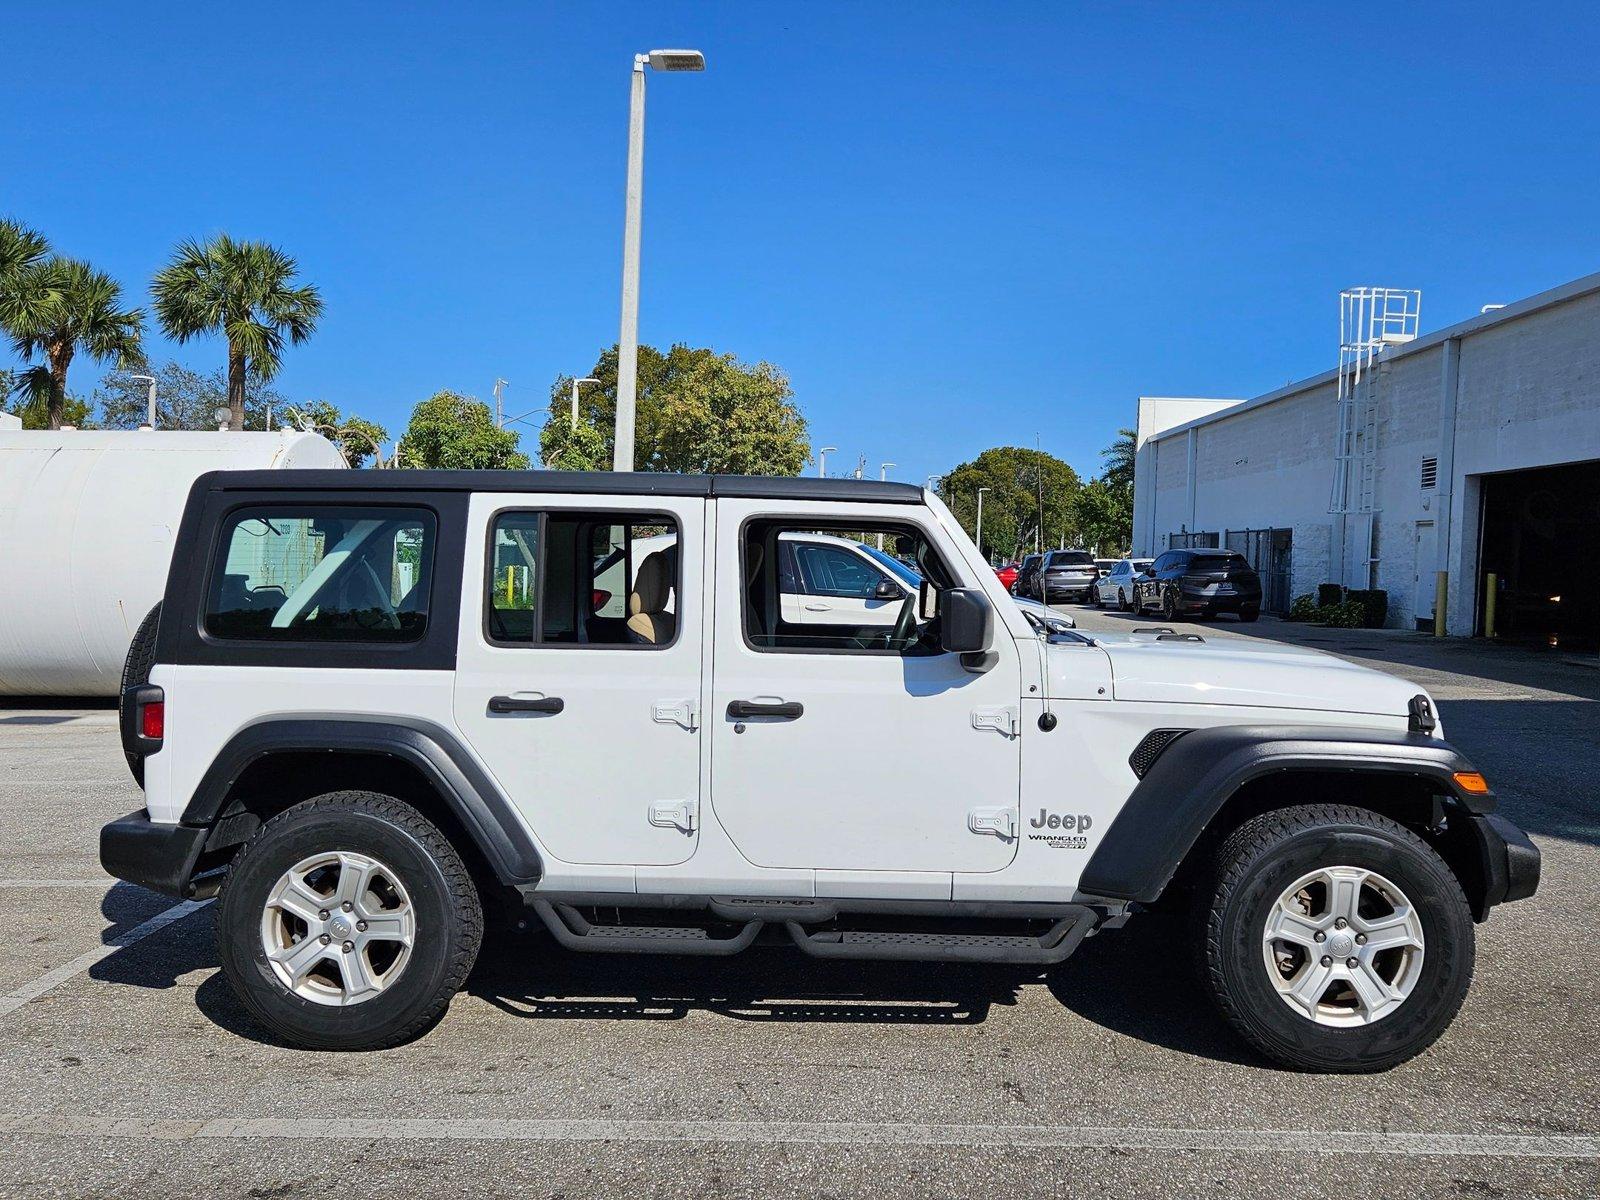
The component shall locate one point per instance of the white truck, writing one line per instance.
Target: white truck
(372, 704)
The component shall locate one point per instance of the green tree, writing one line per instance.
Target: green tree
(456, 432)
(20, 248)
(564, 446)
(1015, 477)
(185, 399)
(358, 439)
(697, 411)
(1104, 511)
(1119, 460)
(31, 392)
(57, 308)
(245, 291)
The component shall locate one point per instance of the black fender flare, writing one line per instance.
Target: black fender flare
(1187, 785)
(461, 782)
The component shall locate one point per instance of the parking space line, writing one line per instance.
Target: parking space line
(104, 883)
(843, 1133)
(32, 991)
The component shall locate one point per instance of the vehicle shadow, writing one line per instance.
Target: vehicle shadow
(1140, 981)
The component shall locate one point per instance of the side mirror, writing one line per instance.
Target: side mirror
(966, 626)
(886, 590)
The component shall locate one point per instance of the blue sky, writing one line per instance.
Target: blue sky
(954, 226)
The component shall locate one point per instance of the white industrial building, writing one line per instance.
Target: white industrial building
(1473, 450)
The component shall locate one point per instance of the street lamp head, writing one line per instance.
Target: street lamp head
(676, 60)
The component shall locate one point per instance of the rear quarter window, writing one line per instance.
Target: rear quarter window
(329, 573)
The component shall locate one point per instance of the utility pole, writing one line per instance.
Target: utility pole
(883, 473)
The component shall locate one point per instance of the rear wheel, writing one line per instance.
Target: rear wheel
(1122, 601)
(348, 922)
(1336, 939)
(1169, 605)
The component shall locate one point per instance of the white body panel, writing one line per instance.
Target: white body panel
(87, 520)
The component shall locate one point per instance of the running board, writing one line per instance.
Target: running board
(569, 927)
(1053, 946)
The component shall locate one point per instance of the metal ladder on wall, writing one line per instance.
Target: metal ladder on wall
(1371, 319)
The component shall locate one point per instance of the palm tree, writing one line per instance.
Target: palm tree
(56, 307)
(20, 247)
(1119, 459)
(244, 291)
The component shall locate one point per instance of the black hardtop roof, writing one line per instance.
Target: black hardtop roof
(582, 483)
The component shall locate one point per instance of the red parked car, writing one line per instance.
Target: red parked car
(1007, 574)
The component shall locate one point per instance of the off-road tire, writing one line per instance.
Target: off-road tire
(141, 657)
(449, 919)
(1249, 871)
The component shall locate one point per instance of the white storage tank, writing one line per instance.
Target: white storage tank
(87, 520)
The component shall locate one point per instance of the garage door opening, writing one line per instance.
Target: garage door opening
(1541, 539)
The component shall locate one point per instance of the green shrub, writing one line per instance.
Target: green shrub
(1374, 606)
(1304, 608)
(1329, 594)
(1347, 614)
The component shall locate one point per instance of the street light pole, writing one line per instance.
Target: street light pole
(883, 473)
(978, 540)
(822, 460)
(499, 406)
(628, 341)
(151, 380)
(575, 383)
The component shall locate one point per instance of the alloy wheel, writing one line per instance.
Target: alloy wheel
(1343, 946)
(338, 928)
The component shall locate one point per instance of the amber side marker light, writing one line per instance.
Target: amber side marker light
(1471, 781)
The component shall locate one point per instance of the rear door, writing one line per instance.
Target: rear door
(579, 667)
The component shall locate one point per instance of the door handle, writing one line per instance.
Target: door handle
(740, 710)
(519, 704)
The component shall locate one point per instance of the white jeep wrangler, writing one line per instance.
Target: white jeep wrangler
(372, 703)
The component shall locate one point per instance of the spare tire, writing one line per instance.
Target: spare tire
(136, 671)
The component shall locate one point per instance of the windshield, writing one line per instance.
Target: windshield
(893, 565)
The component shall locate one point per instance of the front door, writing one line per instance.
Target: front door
(578, 669)
(855, 746)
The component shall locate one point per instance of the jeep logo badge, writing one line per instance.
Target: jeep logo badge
(1071, 822)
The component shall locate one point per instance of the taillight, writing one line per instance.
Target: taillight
(598, 600)
(153, 720)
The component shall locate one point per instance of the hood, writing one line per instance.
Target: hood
(1247, 671)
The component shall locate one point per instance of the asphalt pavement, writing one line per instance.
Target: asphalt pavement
(127, 1067)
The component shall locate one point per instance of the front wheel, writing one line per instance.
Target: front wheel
(1336, 939)
(348, 922)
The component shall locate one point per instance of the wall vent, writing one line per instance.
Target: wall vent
(1430, 473)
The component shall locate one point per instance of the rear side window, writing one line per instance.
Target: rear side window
(582, 579)
(331, 573)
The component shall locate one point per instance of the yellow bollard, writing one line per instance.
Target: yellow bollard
(511, 586)
(1441, 601)
(1491, 583)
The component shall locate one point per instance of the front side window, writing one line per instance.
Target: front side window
(331, 573)
(582, 579)
(832, 590)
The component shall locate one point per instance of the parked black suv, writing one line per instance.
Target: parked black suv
(1199, 583)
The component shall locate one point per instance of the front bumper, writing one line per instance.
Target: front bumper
(153, 855)
(1510, 861)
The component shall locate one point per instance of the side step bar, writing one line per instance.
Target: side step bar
(569, 927)
(1053, 946)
